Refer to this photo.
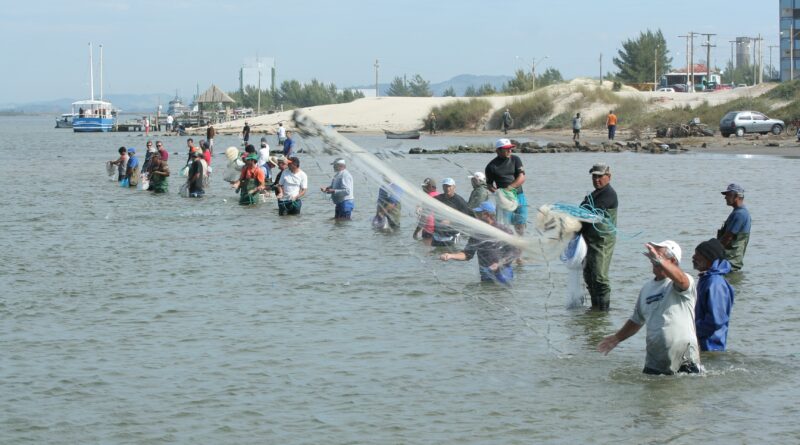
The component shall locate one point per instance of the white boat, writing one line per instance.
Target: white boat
(176, 107)
(91, 116)
(65, 121)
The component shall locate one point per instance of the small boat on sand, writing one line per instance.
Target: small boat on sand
(413, 134)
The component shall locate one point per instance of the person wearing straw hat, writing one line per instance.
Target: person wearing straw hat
(600, 237)
(250, 182)
(341, 190)
(505, 175)
(494, 257)
(735, 233)
(666, 305)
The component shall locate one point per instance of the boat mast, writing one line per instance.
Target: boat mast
(91, 74)
(101, 73)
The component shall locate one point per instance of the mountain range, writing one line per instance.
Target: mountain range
(147, 103)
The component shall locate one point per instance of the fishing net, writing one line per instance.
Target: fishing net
(553, 228)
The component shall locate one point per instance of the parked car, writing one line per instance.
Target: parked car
(741, 122)
(665, 90)
(679, 87)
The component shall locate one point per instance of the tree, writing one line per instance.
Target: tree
(486, 90)
(521, 83)
(636, 58)
(470, 92)
(449, 92)
(398, 87)
(550, 76)
(419, 87)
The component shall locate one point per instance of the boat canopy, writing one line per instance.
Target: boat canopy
(93, 103)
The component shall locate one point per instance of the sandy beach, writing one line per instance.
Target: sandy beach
(375, 115)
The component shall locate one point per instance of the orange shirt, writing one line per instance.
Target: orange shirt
(611, 119)
(254, 173)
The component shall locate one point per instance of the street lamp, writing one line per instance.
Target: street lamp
(533, 69)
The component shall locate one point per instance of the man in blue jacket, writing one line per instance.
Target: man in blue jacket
(714, 296)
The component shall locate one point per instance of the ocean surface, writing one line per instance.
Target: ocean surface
(133, 318)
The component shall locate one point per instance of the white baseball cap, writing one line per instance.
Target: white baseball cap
(479, 176)
(672, 247)
(448, 181)
(503, 143)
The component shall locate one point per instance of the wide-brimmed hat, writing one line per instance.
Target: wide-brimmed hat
(231, 153)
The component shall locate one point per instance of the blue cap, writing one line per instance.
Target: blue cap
(735, 188)
(131, 150)
(486, 206)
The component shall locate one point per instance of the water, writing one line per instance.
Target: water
(134, 318)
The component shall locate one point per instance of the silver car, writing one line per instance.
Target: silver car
(741, 122)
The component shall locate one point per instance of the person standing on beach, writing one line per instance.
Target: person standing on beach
(712, 312)
(210, 133)
(576, 127)
(288, 145)
(432, 123)
(600, 237)
(507, 172)
(341, 190)
(246, 134)
(666, 305)
(507, 121)
(281, 134)
(292, 187)
(735, 233)
(611, 123)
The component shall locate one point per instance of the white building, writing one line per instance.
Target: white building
(257, 71)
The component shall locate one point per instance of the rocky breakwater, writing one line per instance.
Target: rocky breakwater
(653, 146)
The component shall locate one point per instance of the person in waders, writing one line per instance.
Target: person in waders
(251, 181)
(158, 175)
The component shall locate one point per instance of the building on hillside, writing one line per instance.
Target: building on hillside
(789, 28)
(700, 78)
(257, 71)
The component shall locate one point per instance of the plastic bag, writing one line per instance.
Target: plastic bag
(507, 200)
(144, 182)
(124, 183)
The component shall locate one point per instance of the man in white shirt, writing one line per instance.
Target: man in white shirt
(281, 134)
(291, 188)
(666, 306)
(263, 158)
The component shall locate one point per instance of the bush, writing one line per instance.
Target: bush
(785, 91)
(562, 120)
(531, 110)
(461, 115)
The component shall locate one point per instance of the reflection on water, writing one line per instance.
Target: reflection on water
(134, 318)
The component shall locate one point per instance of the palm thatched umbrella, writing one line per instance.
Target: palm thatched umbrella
(214, 95)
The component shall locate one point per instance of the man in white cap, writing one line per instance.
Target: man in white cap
(735, 233)
(443, 233)
(494, 257)
(666, 305)
(505, 175)
(479, 192)
(341, 190)
(600, 236)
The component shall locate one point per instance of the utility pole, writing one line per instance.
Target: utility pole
(533, 72)
(760, 59)
(687, 60)
(655, 69)
(691, 58)
(771, 68)
(733, 64)
(376, 78)
(791, 52)
(601, 69)
(708, 46)
(258, 66)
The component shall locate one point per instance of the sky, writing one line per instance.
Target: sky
(168, 45)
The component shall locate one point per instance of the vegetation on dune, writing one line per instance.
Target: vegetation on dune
(527, 111)
(461, 115)
(292, 94)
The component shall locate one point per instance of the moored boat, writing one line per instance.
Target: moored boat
(93, 115)
(413, 134)
(65, 121)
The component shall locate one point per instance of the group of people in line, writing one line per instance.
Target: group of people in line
(683, 315)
